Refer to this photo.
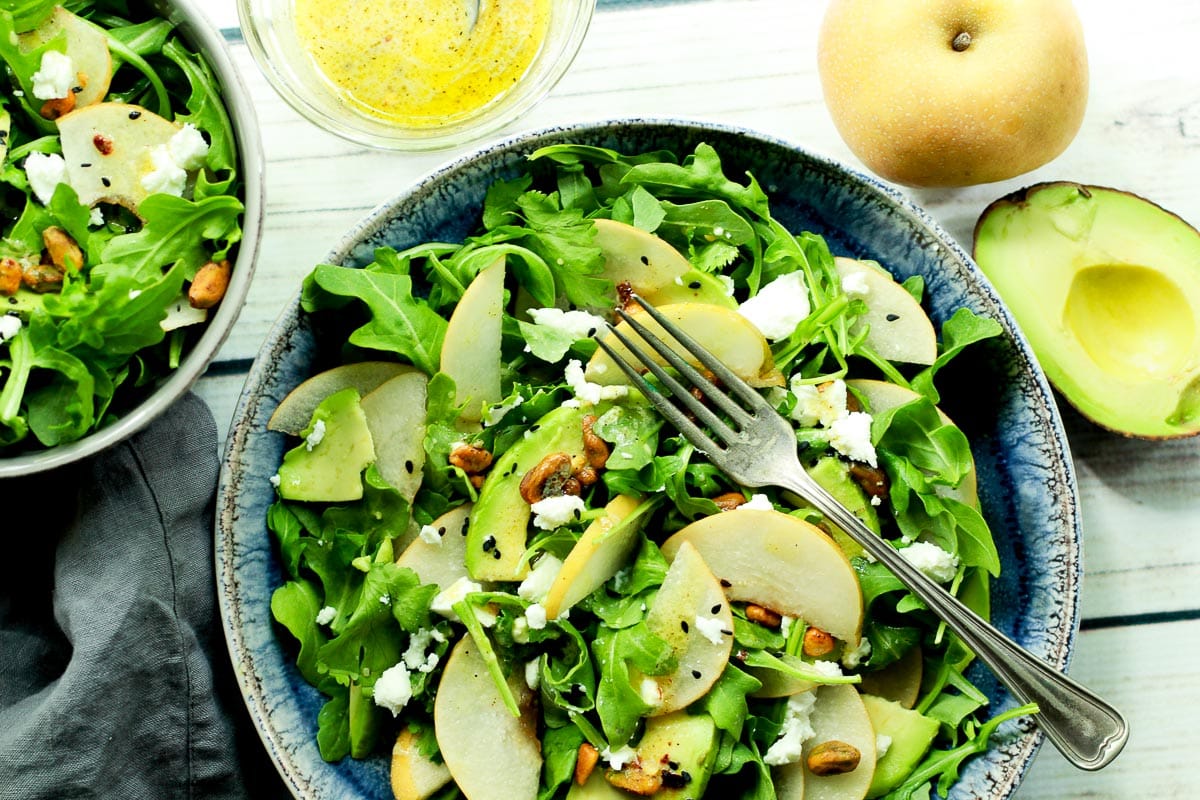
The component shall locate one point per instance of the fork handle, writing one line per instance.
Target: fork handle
(1086, 730)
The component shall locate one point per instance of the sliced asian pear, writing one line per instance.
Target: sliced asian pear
(108, 148)
(900, 329)
(440, 560)
(636, 257)
(603, 549)
(692, 613)
(781, 563)
(415, 776)
(882, 396)
(491, 754)
(727, 334)
(295, 410)
(695, 287)
(86, 46)
(396, 416)
(838, 716)
(499, 526)
(899, 681)
(471, 349)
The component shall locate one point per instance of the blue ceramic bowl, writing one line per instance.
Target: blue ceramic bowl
(999, 397)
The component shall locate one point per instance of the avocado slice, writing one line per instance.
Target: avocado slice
(1106, 287)
(911, 735)
(327, 466)
(833, 475)
(501, 516)
(677, 749)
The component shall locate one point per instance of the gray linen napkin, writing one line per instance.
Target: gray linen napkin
(114, 679)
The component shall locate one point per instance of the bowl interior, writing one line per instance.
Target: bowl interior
(1027, 485)
(204, 37)
(270, 32)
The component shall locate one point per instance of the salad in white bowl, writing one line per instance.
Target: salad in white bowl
(502, 568)
(122, 213)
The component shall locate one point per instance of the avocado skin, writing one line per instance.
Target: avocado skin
(1105, 285)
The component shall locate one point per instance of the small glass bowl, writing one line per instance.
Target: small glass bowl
(270, 32)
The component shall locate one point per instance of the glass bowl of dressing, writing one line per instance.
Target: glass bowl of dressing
(413, 74)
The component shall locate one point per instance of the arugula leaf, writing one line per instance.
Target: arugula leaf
(963, 329)
(178, 230)
(295, 606)
(206, 111)
(399, 323)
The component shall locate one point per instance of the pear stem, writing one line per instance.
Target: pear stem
(961, 42)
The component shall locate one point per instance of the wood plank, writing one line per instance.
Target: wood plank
(1148, 673)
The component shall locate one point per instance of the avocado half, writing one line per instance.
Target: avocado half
(1106, 287)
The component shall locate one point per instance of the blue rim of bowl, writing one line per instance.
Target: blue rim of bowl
(1019, 740)
(199, 32)
(471, 129)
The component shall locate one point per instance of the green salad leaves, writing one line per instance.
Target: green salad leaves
(591, 621)
(89, 337)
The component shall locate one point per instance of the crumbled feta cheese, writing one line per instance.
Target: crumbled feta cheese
(96, 217)
(276, 480)
(818, 405)
(316, 437)
(795, 731)
(45, 171)
(855, 283)
(187, 147)
(537, 583)
(55, 78)
(415, 657)
(712, 629)
(726, 282)
(10, 326)
(883, 743)
(443, 602)
(576, 324)
(876, 500)
(393, 689)
(618, 758)
(493, 414)
(828, 669)
(535, 615)
(520, 630)
(851, 436)
(588, 392)
(554, 512)
(785, 625)
(326, 615)
(779, 306)
(430, 535)
(933, 561)
(650, 692)
(533, 674)
(165, 176)
(385, 599)
(757, 502)
(852, 658)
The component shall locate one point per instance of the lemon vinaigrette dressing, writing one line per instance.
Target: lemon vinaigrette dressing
(421, 63)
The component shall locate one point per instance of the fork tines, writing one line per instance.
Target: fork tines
(702, 412)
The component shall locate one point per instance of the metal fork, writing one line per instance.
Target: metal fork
(759, 449)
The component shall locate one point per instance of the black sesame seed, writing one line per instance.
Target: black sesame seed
(496, 554)
(442, 531)
(892, 317)
(85, 165)
(694, 285)
(716, 609)
(489, 544)
(532, 428)
(725, 583)
(408, 465)
(591, 332)
(134, 114)
(683, 625)
(76, 89)
(106, 182)
(646, 260)
(672, 765)
(696, 674)
(727, 633)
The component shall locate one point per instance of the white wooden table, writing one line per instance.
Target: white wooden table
(753, 63)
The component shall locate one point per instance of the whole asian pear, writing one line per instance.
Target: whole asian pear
(953, 92)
